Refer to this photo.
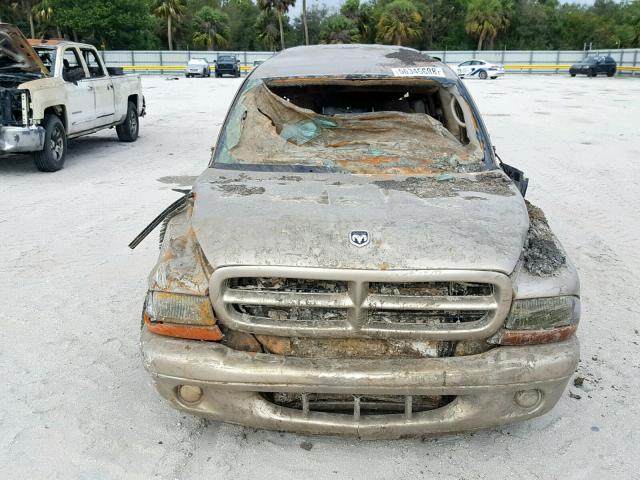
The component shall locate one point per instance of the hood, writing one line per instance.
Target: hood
(16, 55)
(468, 221)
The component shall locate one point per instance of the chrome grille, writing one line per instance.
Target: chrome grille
(418, 304)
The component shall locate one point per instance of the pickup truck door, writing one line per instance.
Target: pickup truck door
(79, 91)
(102, 88)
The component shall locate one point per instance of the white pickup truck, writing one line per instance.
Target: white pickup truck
(51, 91)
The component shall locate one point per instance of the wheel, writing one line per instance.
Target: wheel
(483, 75)
(187, 75)
(572, 74)
(592, 73)
(218, 75)
(128, 130)
(611, 73)
(493, 78)
(51, 157)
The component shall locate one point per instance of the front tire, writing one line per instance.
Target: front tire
(572, 74)
(611, 73)
(483, 75)
(128, 130)
(51, 158)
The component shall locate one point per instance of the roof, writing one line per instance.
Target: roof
(344, 60)
(54, 43)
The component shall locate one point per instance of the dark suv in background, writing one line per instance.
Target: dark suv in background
(227, 65)
(592, 65)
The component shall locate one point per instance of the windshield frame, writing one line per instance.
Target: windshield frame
(483, 138)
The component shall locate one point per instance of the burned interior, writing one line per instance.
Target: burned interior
(373, 126)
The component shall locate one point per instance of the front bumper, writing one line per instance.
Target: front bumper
(21, 139)
(485, 386)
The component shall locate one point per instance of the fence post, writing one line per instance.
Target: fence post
(474, 54)
(444, 55)
(502, 58)
(133, 60)
(530, 61)
(635, 62)
(161, 64)
(557, 61)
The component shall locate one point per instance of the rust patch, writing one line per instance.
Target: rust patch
(190, 332)
(275, 345)
(244, 342)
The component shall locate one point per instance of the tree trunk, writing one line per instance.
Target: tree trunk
(304, 21)
(33, 30)
(169, 39)
(281, 29)
(481, 39)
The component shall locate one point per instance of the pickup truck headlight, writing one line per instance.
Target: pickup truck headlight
(540, 320)
(180, 315)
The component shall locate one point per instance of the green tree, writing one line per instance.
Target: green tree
(212, 28)
(169, 10)
(281, 7)
(339, 29)
(399, 23)
(485, 19)
(361, 15)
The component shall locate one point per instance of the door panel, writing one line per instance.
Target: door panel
(79, 92)
(102, 87)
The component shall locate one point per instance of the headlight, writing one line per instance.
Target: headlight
(539, 320)
(179, 308)
(543, 313)
(181, 315)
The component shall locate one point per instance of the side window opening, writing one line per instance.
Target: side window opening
(93, 64)
(72, 69)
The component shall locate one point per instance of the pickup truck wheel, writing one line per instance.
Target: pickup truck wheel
(128, 130)
(51, 157)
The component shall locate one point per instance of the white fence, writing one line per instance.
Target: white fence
(517, 61)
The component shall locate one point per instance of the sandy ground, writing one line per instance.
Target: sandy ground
(76, 402)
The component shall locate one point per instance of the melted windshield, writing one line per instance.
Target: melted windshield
(370, 126)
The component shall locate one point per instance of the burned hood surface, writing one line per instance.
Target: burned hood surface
(469, 221)
(16, 55)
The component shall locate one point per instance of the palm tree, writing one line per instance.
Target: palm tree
(399, 23)
(169, 9)
(485, 19)
(281, 7)
(212, 28)
(267, 25)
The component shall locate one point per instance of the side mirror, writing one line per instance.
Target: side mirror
(516, 175)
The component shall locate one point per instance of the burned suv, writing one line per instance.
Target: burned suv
(357, 261)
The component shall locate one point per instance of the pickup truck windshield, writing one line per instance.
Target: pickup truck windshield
(371, 127)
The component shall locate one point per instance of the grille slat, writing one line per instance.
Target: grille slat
(438, 305)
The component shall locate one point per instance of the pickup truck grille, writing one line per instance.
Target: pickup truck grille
(417, 304)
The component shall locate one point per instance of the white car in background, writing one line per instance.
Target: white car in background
(198, 67)
(480, 69)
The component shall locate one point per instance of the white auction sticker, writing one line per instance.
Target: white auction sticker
(418, 72)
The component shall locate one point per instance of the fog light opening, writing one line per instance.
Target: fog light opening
(189, 393)
(528, 398)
